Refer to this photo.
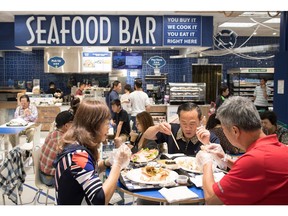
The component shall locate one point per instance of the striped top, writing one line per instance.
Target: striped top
(76, 179)
(260, 100)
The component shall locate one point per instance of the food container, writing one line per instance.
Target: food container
(182, 179)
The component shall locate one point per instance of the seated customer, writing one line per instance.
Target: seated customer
(189, 134)
(269, 126)
(259, 176)
(27, 112)
(214, 125)
(48, 150)
(78, 165)
(120, 120)
(143, 122)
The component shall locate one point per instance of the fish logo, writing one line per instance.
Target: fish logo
(56, 62)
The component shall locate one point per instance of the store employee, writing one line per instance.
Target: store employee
(189, 134)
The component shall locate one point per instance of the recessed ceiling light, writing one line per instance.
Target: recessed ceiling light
(254, 33)
(274, 33)
(273, 20)
(172, 47)
(237, 25)
(153, 47)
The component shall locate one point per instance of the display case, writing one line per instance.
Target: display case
(187, 92)
(242, 81)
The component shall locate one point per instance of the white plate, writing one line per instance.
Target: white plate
(187, 163)
(136, 174)
(142, 155)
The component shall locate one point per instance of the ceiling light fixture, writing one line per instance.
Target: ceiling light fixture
(273, 20)
(254, 14)
(237, 25)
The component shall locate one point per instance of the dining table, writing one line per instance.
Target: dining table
(5, 131)
(153, 194)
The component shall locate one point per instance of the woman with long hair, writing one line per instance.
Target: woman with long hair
(78, 164)
(143, 121)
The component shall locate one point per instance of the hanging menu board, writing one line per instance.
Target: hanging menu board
(97, 62)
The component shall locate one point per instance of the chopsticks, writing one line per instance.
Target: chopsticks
(175, 141)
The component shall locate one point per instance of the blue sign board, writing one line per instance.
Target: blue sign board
(101, 30)
(56, 62)
(66, 30)
(182, 31)
(156, 62)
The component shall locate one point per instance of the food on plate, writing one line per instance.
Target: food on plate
(187, 163)
(17, 122)
(144, 155)
(150, 173)
(170, 162)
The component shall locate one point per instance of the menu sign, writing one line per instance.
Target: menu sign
(96, 61)
(182, 31)
(156, 62)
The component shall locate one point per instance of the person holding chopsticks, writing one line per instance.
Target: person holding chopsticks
(186, 137)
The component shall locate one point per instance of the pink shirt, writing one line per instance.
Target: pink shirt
(258, 177)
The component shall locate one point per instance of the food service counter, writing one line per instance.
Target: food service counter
(158, 112)
(47, 115)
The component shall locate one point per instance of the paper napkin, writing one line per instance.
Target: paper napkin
(177, 194)
(199, 182)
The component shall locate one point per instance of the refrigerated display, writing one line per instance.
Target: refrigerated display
(187, 92)
(242, 81)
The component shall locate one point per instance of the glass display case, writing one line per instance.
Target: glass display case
(242, 81)
(187, 92)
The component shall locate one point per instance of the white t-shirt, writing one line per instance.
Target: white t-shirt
(260, 100)
(139, 100)
(126, 103)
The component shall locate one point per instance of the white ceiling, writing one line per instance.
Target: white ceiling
(219, 17)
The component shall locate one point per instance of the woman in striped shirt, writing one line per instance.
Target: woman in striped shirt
(78, 165)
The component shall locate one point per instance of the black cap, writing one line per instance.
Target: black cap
(63, 118)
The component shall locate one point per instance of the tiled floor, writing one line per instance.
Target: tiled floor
(29, 190)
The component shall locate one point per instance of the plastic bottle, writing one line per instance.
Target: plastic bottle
(165, 148)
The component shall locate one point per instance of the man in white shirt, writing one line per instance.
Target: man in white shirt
(27, 112)
(139, 102)
(261, 94)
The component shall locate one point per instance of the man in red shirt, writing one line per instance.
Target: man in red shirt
(260, 175)
(80, 89)
(49, 149)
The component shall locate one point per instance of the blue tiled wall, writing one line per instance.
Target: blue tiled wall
(29, 66)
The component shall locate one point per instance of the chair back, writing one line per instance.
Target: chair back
(36, 164)
(37, 136)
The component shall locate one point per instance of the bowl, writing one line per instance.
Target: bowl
(182, 179)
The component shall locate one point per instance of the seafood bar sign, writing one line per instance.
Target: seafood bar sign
(66, 30)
